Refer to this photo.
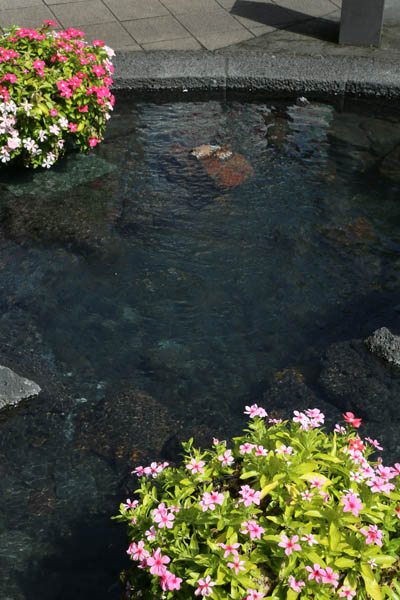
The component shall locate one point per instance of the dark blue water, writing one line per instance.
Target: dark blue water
(151, 300)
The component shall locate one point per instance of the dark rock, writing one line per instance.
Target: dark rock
(129, 428)
(384, 136)
(14, 388)
(385, 344)
(390, 166)
(349, 134)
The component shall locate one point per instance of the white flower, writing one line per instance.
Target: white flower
(109, 51)
(13, 142)
(27, 107)
(63, 122)
(54, 129)
(49, 160)
(42, 135)
(5, 155)
(11, 107)
(60, 143)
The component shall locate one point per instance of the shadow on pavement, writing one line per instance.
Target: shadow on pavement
(286, 18)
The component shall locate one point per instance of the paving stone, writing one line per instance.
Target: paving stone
(126, 10)
(213, 41)
(79, 14)
(50, 2)
(180, 7)
(201, 24)
(265, 15)
(14, 4)
(155, 29)
(188, 43)
(25, 17)
(113, 34)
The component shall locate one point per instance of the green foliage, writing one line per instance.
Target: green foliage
(307, 515)
(54, 88)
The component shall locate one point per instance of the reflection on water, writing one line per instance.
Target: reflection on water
(152, 294)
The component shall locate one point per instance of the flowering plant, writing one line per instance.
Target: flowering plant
(287, 511)
(53, 87)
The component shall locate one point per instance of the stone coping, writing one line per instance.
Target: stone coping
(256, 71)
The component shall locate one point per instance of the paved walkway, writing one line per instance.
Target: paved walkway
(308, 26)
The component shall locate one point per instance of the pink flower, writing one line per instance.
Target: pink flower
(315, 572)
(307, 495)
(169, 581)
(339, 429)
(82, 109)
(151, 533)
(139, 471)
(98, 70)
(237, 565)
(317, 483)
(260, 451)
(93, 141)
(38, 64)
(137, 551)
(397, 511)
(328, 576)
(374, 443)
(130, 504)
(302, 419)
(350, 418)
(373, 534)
(352, 503)
(204, 586)
(252, 528)
(226, 459)
(289, 544)
(378, 484)
(396, 468)
(284, 449)
(255, 411)
(325, 495)
(253, 595)
(295, 585)
(246, 448)
(346, 592)
(72, 127)
(99, 43)
(210, 500)
(157, 562)
(196, 466)
(249, 496)
(309, 538)
(230, 548)
(50, 23)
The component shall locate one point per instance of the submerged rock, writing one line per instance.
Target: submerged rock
(390, 166)
(14, 388)
(385, 344)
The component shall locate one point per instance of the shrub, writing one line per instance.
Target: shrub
(286, 511)
(54, 88)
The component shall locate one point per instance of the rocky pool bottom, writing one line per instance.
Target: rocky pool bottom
(151, 293)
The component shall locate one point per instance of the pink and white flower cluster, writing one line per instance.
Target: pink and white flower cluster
(310, 419)
(210, 500)
(151, 471)
(52, 76)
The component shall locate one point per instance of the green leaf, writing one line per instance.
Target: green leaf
(334, 536)
(385, 560)
(371, 585)
(249, 474)
(345, 563)
(268, 488)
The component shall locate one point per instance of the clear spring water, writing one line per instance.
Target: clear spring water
(151, 302)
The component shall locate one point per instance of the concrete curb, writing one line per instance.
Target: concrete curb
(282, 74)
